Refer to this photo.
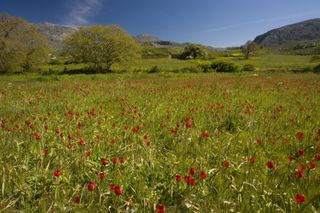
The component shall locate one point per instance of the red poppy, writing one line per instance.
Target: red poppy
(104, 162)
(91, 186)
(226, 164)
(300, 152)
(69, 146)
(77, 199)
(205, 135)
(271, 165)
(160, 208)
(252, 160)
(174, 132)
(87, 153)
(101, 175)
(299, 135)
(290, 158)
(188, 125)
(299, 174)
(299, 198)
(70, 136)
(178, 178)
(45, 151)
(312, 165)
(316, 157)
(57, 173)
(117, 190)
(202, 175)
(114, 160)
(148, 143)
(192, 171)
(302, 167)
(145, 137)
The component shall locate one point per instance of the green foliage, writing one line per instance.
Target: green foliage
(223, 66)
(194, 51)
(22, 48)
(149, 51)
(316, 69)
(315, 58)
(101, 46)
(248, 67)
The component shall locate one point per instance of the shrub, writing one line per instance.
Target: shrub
(315, 58)
(190, 69)
(223, 66)
(316, 69)
(248, 67)
(154, 69)
(206, 68)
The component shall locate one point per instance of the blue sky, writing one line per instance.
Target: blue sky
(218, 23)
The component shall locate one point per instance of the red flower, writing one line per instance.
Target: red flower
(91, 186)
(299, 135)
(202, 175)
(316, 157)
(148, 143)
(188, 125)
(104, 162)
(101, 175)
(205, 135)
(114, 160)
(271, 165)
(160, 208)
(69, 146)
(258, 141)
(70, 136)
(186, 179)
(299, 174)
(192, 181)
(252, 160)
(299, 198)
(112, 186)
(46, 127)
(37, 135)
(174, 132)
(87, 154)
(45, 151)
(302, 167)
(117, 190)
(226, 164)
(178, 178)
(300, 152)
(81, 141)
(77, 199)
(290, 158)
(145, 137)
(192, 171)
(312, 165)
(57, 173)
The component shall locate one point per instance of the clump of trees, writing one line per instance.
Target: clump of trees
(194, 51)
(101, 46)
(22, 47)
(249, 48)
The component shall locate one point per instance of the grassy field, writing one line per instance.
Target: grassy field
(263, 62)
(153, 143)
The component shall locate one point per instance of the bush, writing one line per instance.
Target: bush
(154, 69)
(223, 66)
(316, 69)
(206, 68)
(248, 67)
(190, 69)
(315, 58)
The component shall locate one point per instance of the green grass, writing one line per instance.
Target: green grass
(115, 115)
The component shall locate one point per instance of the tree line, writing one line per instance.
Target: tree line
(23, 48)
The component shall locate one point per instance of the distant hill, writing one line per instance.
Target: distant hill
(295, 33)
(55, 33)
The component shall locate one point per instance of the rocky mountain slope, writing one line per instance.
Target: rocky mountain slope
(300, 32)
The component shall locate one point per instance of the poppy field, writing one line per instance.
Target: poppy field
(201, 143)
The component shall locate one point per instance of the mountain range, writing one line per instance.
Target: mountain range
(305, 31)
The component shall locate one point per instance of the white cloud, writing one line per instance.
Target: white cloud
(80, 11)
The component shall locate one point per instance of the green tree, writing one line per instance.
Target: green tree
(194, 51)
(249, 48)
(101, 46)
(22, 47)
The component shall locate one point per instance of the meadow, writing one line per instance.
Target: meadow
(238, 142)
